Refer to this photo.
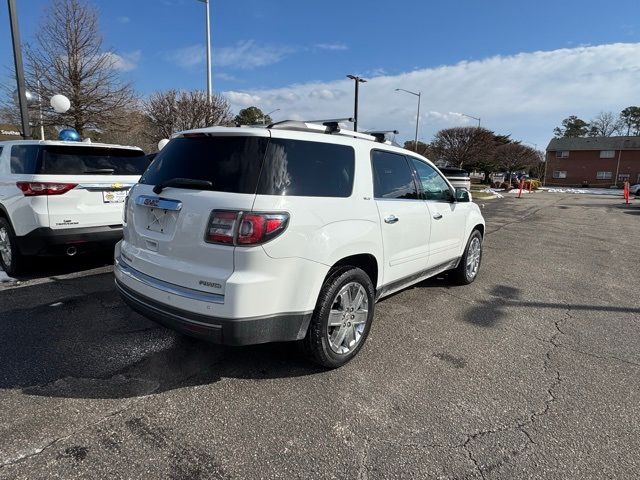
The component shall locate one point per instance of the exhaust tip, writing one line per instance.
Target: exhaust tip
(71, 251)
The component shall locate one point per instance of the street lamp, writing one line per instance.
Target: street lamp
(17, 59)
(471, 116)
(358, 81)
(419, 95)
(208, 34)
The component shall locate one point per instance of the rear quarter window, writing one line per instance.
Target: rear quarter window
(307, 169)
(24, 159)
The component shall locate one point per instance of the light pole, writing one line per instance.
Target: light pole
(208, 33)
(419, 95)
(17, 59)
(358, 81)
(471, 116)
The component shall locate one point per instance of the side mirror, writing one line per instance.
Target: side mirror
(462, 195)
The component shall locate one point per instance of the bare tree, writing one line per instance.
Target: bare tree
(67, 57)
(512, 157)
(172, 111)
(462, 146)
(605, 124)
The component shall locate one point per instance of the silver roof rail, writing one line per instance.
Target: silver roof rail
(381, 135)
(330, 126)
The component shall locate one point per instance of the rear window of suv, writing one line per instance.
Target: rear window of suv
(231, 164)
(70, 160)
(257, 165)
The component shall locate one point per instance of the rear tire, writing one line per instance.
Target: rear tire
(342, 318)
(10, 258)
(469, 266)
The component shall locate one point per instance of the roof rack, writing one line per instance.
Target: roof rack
(381, 135)
(332, 126)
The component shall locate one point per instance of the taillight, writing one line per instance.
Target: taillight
(244, 228)
(32, 189)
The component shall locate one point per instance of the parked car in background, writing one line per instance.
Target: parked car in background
(635, 189)
(458, 177)
(62, 197)
(291, 232)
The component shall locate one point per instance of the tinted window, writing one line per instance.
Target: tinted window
(24, 159)
(307, 169)
(231, 164)
(434, 187)
(392, 177)
(67, 160)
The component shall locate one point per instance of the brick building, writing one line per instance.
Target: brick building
(593, 161)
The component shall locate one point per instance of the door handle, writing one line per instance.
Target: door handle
(391, 219)
(437, 215)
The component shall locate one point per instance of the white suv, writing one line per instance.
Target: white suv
(291, 232)
(62, 197)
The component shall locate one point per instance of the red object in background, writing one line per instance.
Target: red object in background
(521, 188)
(626, 192)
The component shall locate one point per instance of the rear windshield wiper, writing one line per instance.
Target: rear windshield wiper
(183, 183)
(106, 171)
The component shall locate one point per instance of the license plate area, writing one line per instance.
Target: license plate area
(114, 196)
(161, 213)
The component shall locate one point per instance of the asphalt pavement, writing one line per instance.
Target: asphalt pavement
(533, 371)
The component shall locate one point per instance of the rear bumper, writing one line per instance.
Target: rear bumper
(237, 331)
(46, 240)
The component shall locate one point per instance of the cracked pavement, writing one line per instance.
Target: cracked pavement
(533, 371)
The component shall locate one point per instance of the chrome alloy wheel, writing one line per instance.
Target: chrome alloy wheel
(5, 246)
(348, 318)
(473, 257)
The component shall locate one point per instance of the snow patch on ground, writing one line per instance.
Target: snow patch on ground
(590, 191)
(492, 191)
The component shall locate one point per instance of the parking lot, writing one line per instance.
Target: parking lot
(533, 371)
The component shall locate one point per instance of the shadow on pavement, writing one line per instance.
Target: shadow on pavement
(42, 267)
(81, 342)
(489, 312)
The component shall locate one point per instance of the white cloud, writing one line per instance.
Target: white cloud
(124, 20)
(244, 55)
(331, 46)
(242, 100)
(126, 61)
(249, 54)
(525, 95)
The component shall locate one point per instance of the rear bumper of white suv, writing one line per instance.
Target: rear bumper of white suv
(161, 302)
(44, 240)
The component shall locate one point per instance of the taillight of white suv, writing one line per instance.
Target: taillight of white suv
(32, 189)
(232, 227)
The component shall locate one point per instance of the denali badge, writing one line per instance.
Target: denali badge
(151, 202)
(209, 284)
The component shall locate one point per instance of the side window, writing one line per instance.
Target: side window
(24, 158)
(433, 185)
(392, 177)
(307, 169)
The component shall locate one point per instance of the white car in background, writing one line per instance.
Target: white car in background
(635, 189)
(291, 232)
(62, 197)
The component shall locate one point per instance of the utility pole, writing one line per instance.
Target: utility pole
(358, 81)
(17, 59)
(208, 36)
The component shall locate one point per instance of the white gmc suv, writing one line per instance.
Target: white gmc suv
(62, 197)
(290, 232)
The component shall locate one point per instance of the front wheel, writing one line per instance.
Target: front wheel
(469, 266)
(342, 317)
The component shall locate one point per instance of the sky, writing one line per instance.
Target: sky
(520, 66)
